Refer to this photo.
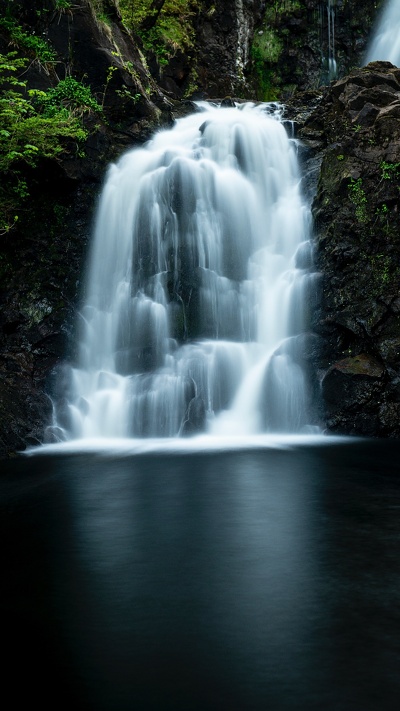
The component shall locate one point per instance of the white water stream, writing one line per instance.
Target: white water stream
(385, 44)
(197, 284)
(332, 65)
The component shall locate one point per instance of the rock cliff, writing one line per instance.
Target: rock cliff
(357, 233)
(303, 44)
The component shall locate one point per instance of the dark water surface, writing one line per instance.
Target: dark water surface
(239, 581)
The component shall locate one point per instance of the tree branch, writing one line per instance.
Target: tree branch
(154, 13)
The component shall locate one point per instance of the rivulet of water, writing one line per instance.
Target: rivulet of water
(199, 272)
(332, 65)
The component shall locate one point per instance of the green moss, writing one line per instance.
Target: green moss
(36, 309)
(165, 32)
(265, 77)
(359, 199)
(277, 8)
(268, 45)
(192, 84)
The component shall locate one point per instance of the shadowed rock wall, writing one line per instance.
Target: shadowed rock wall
(357, 226)
(295, 39)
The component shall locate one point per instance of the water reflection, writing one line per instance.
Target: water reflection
(258, 580)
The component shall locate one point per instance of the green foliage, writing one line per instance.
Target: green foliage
(381, 264)
(382, 210)
(30, 42)
(282, 7)
(69, 94)
(266, 50)
(390, 171)
(34, 125)
(359, 199)
(110, 71)
(193, 83)
(172, 30)
(266, 91)
(382, 219)
(268, 45)
(124, 93)
(100, 11)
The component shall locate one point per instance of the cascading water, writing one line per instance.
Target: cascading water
(198, 277)
(385, 44)
(332, 66)
(326, 22)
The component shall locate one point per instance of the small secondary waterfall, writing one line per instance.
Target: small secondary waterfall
(385, 43)
(326, 22)
(332, 66)
(200, 268)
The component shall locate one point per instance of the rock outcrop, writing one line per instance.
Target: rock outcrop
(357, 226)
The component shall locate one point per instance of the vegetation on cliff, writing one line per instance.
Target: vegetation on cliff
(49, 104)
(293, 41)
(165, 26)
(35, 125)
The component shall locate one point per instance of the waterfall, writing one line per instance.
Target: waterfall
(385, 43)
(332, 66)
(200, 269)
(243, 39)
(326, 21)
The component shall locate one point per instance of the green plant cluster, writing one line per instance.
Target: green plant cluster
(359, 199)
(382, 270)
(264, 76)
(265, 51)
(62, 5)
(267, 47)
(34, 125)
(71, 95)
(280, 7)
(31, 43)
(164, 27)
(390, 171)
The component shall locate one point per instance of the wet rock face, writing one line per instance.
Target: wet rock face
(85, 48)
(223, 39)
(302, 37)
(357, 225)
(40, 270)
(217, 61)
